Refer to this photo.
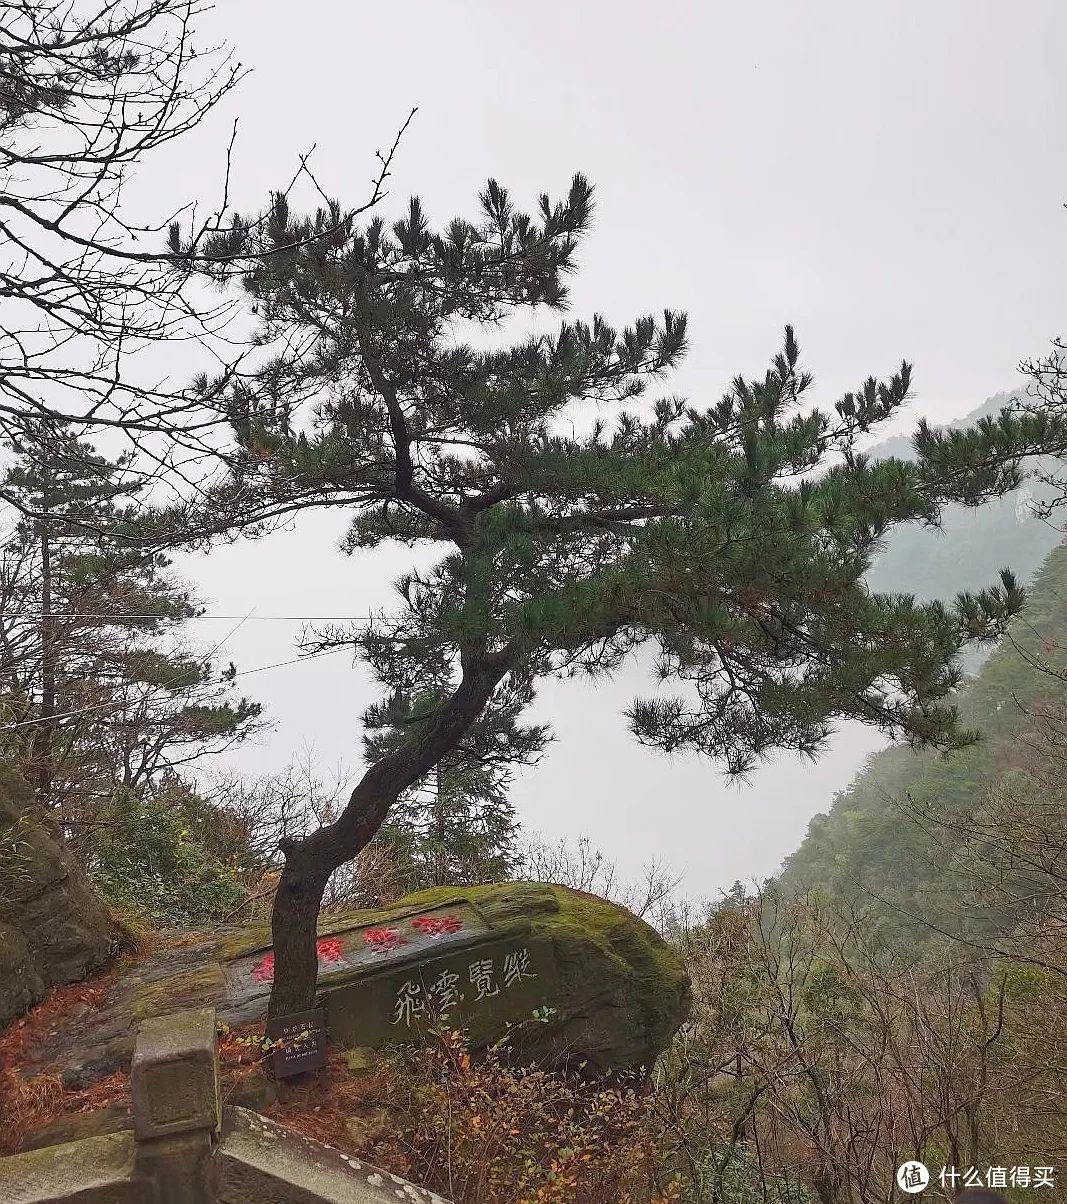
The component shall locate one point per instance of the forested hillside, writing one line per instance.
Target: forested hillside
(888, 840)
(861, 845)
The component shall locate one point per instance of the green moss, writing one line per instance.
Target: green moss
(507, 906)
(90, 1163)
(249, 940)
(614, 987)
(201, 986)
(659, 987)
(131, 932)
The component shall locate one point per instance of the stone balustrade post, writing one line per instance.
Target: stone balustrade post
(174, 1091)
(185, 1149)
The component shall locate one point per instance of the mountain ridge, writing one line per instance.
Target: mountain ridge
(859, 846)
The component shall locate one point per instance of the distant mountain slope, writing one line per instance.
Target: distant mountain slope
(862, 845)
(973, 545)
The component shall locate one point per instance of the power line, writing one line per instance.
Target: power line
(295, 661)
(251, 618)
(111, 702)
(99, 706)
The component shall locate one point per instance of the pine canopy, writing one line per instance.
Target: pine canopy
(578, 520)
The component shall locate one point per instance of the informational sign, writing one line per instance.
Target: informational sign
(298, 1042)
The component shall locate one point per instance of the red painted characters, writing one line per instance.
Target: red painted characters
(433, 926)
(327, 950)
(381, 940)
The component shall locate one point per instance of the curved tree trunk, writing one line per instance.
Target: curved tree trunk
(310, 862)
(294, 920)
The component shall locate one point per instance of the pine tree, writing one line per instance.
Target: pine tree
(98, 695)
(457, 824)
(575, 522)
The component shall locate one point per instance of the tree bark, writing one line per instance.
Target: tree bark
(310, 862)
(441, 861)
(294, 922)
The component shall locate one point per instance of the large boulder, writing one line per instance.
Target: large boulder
(569, 978)
(55, 930)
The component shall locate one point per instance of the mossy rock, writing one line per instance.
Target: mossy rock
(187, 988)
(564, 978)
(56, 929)
(603, 988)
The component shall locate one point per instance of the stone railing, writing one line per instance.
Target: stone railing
(186, 1149)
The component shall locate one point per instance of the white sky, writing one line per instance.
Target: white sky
(889, 177)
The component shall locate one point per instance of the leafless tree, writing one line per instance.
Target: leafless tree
(580, 866)
(1007, 873)
(91, 92)
(818, 1058)
(287, 805)
(88, 93)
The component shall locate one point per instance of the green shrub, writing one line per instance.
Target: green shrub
(168, 858)
(733, 1175)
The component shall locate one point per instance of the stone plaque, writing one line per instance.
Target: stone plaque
(302, 1042)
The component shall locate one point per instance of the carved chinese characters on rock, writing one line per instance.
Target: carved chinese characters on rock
(485, 979)
(445, 992)
(517, 967)
(409, 1002)
(383, 940)
(435, 925)
(482, 978)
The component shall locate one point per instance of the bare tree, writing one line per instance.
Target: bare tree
(88, 92)
(91, 92)
(1005, 879)
(818, 1058)
(286, 806)
(580, 866)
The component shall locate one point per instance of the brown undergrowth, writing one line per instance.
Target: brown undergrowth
(478, 1130)
(483, 1131)
(28, 1102)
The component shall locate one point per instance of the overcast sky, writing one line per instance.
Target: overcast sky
(889, 177)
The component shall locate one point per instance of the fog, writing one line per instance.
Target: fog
(889, 178)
